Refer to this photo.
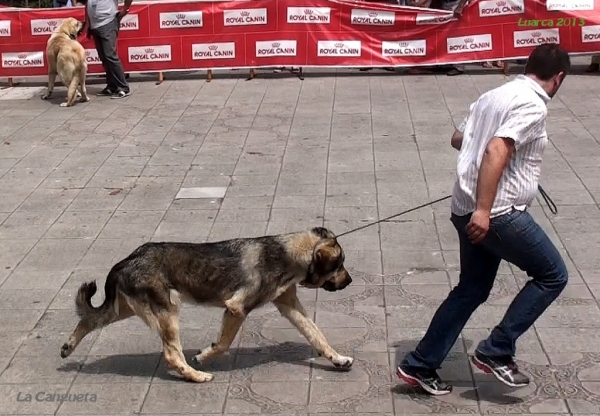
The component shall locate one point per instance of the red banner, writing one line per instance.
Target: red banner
(196, 35)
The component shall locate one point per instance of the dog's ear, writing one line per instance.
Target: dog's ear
(322, 232)
(326, 257)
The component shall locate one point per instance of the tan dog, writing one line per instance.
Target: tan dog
(66, 57)
(238, 275)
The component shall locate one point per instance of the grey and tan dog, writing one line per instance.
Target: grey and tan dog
(66, 58)
(239, 275)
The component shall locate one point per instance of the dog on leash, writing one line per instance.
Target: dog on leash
(239, 275)
(66, 58)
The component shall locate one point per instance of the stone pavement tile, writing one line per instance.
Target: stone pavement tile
(114, 368)
(120, 342)
(578, 378)
(364, 266)
(55, 254)
(91, 199)
(351, 396)
(409, 236)
(23, 225)
(311, 216)
(242, 215)
(25, 299)
(371, 367)
(10, 340)
(567, 340)
(267, 398)
(37, 369)
(104, 253)
(276, 366)
(20, 319)
(47, 343)
(259, 202)
(410, 400)
(151, 194)
(185, 398)
(117, 398)
(79, 224)
(397, 260)
(40, 279)
(44, 199)
(30, 399)
(226, 230)
(126, 224)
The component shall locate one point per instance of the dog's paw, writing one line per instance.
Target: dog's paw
(46, 96)
(202, 377)
(78, 94)
(65, 104)
(66, 350)
(203, 355)
(343, 362)
(84, 99)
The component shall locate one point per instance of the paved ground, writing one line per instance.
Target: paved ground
(82, 187)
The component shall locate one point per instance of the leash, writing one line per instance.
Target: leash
(546, 197)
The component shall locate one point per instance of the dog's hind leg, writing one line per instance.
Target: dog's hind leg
(72, 92)
(92, 322)
(289, 306)
(51, 81)
(168, 328)
(230, 326)
(84, 97)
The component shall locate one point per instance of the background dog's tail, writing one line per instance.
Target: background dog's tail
(83, 302)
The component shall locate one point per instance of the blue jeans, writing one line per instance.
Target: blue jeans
(518, 239)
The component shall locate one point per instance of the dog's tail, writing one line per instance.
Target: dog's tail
(106, 311)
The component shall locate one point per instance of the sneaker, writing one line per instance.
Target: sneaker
(503, 368)
(429, 380)
(106, 92)
(121, 94)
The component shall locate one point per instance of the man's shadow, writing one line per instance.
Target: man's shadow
(151, 365)
(456, 370)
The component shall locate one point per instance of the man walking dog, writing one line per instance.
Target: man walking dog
(103, 19)
(500, 143)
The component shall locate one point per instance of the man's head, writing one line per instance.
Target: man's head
(549, 64)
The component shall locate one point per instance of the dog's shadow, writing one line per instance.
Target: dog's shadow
(153, 364)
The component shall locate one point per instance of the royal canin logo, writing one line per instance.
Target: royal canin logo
(224, 50)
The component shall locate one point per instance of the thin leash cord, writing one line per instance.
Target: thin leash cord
(548, 200)
(545, 196)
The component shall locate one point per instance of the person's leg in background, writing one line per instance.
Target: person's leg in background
(452, 70)
(526, 245)
(110, 88)
(594, 64)
(115, 75)
(478, 268)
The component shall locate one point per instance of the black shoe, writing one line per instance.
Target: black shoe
(121, 94)
(106, 92)
(429, 380)
(503, 368)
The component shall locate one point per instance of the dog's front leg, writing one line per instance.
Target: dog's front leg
(51, 81)
(289, 306)
(231, 324)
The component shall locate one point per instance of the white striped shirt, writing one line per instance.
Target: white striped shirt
(515, 110)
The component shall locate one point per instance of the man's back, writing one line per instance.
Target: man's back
(515, 110)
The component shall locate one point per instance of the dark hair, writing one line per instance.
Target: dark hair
(547, 60)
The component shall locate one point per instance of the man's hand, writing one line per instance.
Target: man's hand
(122, 13)
(478, 226)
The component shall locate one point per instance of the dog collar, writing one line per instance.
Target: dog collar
(74, 37)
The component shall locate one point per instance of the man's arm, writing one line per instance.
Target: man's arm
(459, 8)
(123, 12)
(495, 158)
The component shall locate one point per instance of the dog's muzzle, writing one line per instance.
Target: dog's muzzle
(332, 287)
